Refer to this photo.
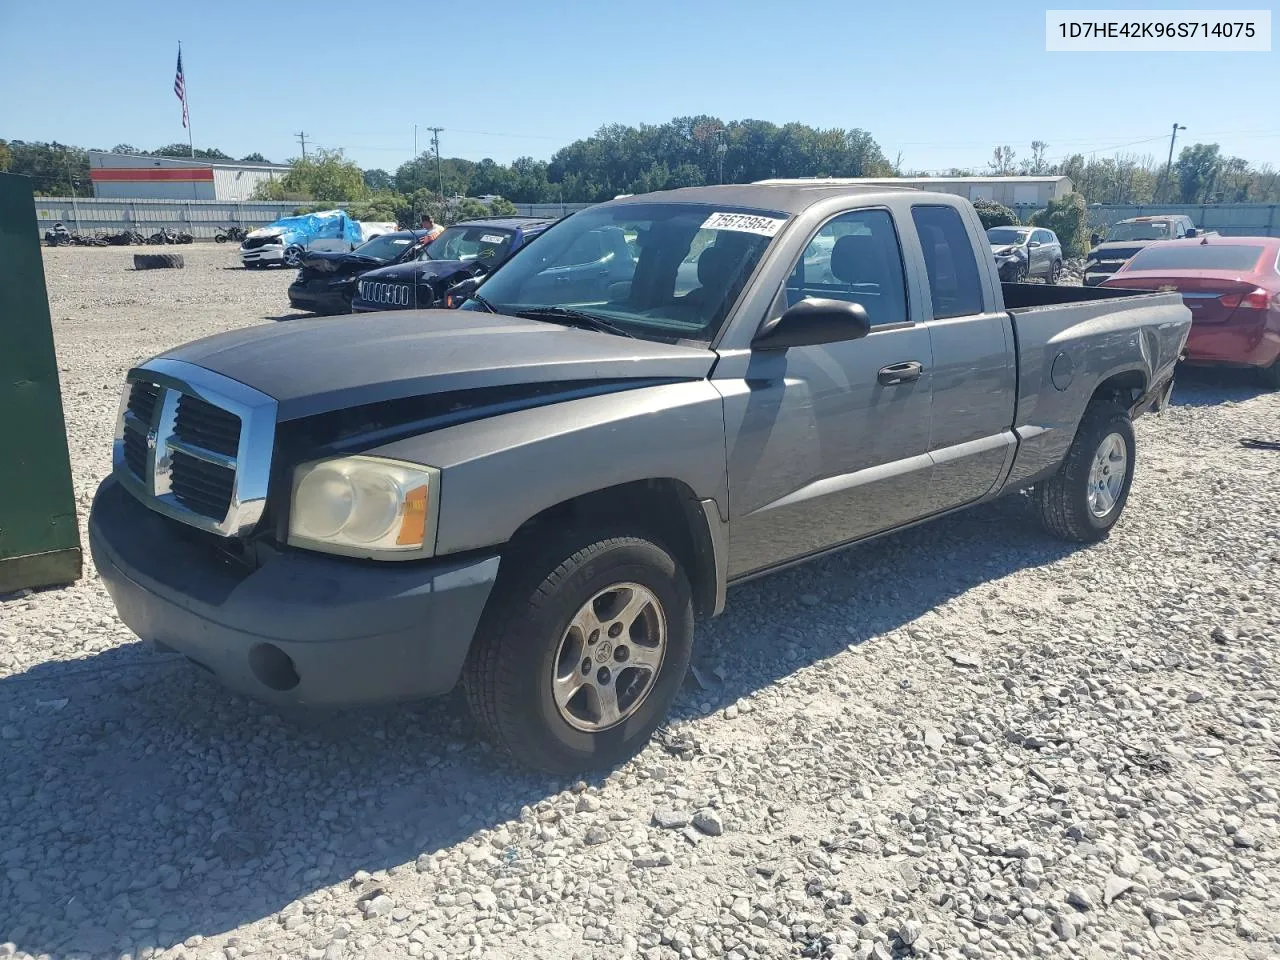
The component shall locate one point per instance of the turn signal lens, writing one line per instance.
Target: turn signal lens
(365, 507)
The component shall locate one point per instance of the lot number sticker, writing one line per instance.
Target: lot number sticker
(744, 223)
(490, 238)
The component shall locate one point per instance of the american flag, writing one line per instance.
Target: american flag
(180, 88)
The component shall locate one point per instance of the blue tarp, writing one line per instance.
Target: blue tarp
(325, 225)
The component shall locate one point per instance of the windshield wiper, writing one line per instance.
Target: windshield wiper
(574, 318)
(483, 302)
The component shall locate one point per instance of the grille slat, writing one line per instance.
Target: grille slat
(135, 452)
(200, 486)
(204, 425)
(142, 400)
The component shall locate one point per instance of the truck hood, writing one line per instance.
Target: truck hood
(317, 366)
(419, 270)
(264, 232)
(1119, 250)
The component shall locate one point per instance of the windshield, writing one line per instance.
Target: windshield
(470, 243)
(659, 270)
(1000, 236)
(386, 247)
(1147, 230)
(1198, 256)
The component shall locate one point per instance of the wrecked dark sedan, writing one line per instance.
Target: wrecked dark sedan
(464, 251)
(327, 281)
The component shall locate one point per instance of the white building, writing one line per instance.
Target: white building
(1011, 191)
(123, 176)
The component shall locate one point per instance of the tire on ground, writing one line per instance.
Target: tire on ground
(157, 261)
(508, 675)
(1270, 376)
(1063, 499)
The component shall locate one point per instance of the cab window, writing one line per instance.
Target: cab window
(855, 257)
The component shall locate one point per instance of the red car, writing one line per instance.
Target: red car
(1231, 285)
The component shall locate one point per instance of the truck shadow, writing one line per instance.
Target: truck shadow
(1210, 386)
(143, 804)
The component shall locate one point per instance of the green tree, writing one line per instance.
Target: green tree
(1001, 163)
(378, 180)
(325, 175)
(125, 148)
(54, 168)
(6, 156)
(254, 157)
(182, 151)
(994, 214)
(1196, 171)
(502, 207)
(1068, 218)
(1036, 164)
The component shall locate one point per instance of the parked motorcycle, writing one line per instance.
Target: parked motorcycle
(233, 233)
(165, 235)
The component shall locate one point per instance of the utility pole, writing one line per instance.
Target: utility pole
(435, 142)
(302, 138)
(415, 141)
(1168, 167)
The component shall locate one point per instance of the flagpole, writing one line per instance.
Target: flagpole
(186, 105)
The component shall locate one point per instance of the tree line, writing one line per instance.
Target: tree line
(687, 151)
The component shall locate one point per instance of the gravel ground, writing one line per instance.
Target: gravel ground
(967, 740)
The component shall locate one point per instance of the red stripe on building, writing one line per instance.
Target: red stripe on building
(151, 174)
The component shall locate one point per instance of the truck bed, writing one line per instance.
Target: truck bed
(1025, 296)
(1070, 341)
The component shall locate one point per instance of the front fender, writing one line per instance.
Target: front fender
(499, 472)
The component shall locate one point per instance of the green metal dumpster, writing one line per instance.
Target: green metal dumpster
(39, 535)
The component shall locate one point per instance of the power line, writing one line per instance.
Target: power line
(302, 138)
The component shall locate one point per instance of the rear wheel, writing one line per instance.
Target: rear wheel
(581, 651)
(1085, 498)
(1055, 272)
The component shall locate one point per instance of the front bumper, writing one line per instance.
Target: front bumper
(271, 253)
(1097, 271)
(301, 628)
(320, 297)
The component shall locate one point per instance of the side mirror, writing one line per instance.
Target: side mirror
(461, 291)
(1034, 243)
(1095, 239)
(814, 321)
(1192, 232)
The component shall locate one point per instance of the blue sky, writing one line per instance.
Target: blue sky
(941, 82)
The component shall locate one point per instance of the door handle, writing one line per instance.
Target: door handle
(897, 373)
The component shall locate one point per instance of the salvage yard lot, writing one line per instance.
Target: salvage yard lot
(964, 740)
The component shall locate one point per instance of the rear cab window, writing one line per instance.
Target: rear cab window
(954, 281)
(1198, 256)
(854, 257)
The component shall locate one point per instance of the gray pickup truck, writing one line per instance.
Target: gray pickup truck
(538, 493)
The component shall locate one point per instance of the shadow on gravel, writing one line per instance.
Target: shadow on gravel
(143, 804)
(1210, 386)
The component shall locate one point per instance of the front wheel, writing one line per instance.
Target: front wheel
(292, 255)
(581, 652)
(1085, 498)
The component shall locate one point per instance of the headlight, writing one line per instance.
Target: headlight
(365, 507)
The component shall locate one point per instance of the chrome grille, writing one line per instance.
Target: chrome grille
(207, 426)
(196, 446)
(201, 486)
(387, 294)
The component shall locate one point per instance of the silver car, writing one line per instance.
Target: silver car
(1025, 252)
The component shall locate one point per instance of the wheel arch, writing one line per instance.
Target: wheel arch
(662, 507)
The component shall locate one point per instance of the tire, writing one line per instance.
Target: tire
(528, 636)
(1055, 272)
(219, 238)
(1066, 507)
(291, 255)
(157, 261)
(1270, 376)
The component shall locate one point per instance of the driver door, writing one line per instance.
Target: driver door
(830, 443)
